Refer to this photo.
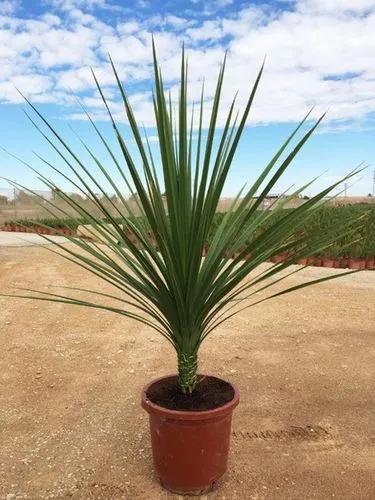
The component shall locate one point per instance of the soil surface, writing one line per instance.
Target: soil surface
(71, 425)
(210, 392)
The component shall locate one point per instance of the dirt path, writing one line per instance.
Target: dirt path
(13, 239)
(70, 421)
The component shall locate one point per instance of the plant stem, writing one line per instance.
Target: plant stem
(187, 372)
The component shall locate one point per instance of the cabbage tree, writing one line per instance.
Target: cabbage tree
(163, 281)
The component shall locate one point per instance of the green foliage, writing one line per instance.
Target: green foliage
(330, 221)
(168, 286)
(359, 243)
(48, 222)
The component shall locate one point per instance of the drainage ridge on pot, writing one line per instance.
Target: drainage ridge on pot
(190, 448)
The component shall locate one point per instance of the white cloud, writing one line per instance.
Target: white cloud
(68, 5)
(176, 21)
(143, 4)
(336, 6)
(320, 52)
(30, 85)
(224, 3)
(128, 27)
(209, 30)
(210, 6)
(8, 7)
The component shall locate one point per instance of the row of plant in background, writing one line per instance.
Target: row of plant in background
(359, 246)
(42, 226)
(48, 222)
(328, 220)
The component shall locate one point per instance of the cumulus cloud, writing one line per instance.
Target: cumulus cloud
(8, 7)
(336, 6)
(210, 6)
(318, 52)
(68, 5)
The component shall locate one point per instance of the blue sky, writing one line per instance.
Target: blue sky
(319, 52)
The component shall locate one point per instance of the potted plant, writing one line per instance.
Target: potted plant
(171, 288)
(335, 253)
(369, 244)
(357, 259)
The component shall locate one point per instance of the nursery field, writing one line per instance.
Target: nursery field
(352, 228)
(71, 425)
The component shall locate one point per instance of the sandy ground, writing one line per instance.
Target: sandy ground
(71, 425)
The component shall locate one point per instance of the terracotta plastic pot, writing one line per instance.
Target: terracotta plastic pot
(357, 264)
(302, 261)
(327, 262)
(318, 262)
(352, 264)
(336, 263)
(190, 448)
(278, 258)
(370, 263)
(310, 261)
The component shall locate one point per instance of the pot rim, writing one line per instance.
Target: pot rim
(213, 413)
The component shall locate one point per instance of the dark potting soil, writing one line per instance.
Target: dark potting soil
(210, 393)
